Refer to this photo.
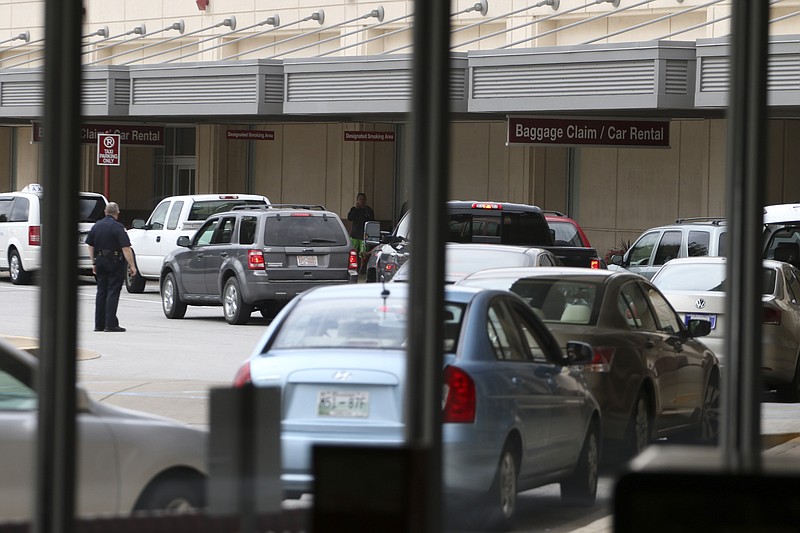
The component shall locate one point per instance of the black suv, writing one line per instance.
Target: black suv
(468, 222)
(257, 257)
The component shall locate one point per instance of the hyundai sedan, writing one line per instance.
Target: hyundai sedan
(649, 373)
(515, 413)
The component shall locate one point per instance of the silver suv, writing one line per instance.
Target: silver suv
(257, 257)
(687, 237)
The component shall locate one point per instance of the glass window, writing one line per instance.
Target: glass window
(304, 230)
(159, 216)
(698, 243)
(224, 235)
(206, 232)
(642, 250)
(634, 307)
(92, 208)
(529, 337)
(175, 214)
(247, 230)
(20, 210)
(15, 395)
(5, 208)
(503, 334)
(692, 277)
(793, 286)
(566, 233)
(667, 318)
(669, 247)
(203, 209)
(722, 246)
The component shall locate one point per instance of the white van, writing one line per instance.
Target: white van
(21, 231)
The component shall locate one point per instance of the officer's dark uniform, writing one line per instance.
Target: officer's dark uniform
(108, 237)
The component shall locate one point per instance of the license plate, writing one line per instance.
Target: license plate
(343, 404)
(701, 316)
(307, 260)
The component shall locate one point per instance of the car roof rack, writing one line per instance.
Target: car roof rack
(552, 212)
(716, 221)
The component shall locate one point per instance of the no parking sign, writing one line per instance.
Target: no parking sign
(108, 152)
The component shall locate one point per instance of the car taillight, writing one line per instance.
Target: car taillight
(242, 376)
(255, 260)
(352, 261)
(772, 316)
(601, 360)
(458, 400)
(34, 235)
(595, 263)
(486, 205)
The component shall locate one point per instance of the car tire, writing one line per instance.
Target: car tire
(171, 298)
(639, 430)
(236, 311)
(708, 425)
(134, 284)
(581, 487)
(501, 501)
(17, 273)
(790, 392)
(173, 494)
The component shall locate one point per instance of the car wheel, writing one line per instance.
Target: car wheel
(17, 273)
(236, 310)
(639, 427)
(171, 299)
(708, 430)
(791, 391)
(176, 494)
(134, 284)
(581, 487)
(502, 497)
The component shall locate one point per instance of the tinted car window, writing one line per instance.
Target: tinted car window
(206, 232)
(643, 249)
(666, 316)
(634, 307)
(247, 230)
(523, 228)
(224, 233)
(304, 231)
(5, 208)
(202, 209)
(793, 285)
(722, 245)
(503, 334)
(698, 243)
(20, 210)
(175, 215)
(566, 233)
(92, 208)
(668, 248)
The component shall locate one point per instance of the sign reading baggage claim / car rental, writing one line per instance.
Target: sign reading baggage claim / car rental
(588, 132)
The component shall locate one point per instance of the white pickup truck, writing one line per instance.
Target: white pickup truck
(174, 216)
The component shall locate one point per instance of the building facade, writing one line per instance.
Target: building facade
(308, 101)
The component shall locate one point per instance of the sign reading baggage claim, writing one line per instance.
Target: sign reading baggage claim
(588, 132)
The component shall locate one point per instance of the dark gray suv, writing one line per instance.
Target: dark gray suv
(257, 257)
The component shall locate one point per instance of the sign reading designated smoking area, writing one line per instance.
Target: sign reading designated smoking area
(108, 149)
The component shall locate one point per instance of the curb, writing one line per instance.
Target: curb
(31, 345)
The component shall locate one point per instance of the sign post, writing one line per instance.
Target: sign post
(108, 154)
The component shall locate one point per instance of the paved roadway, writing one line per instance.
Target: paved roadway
(167, 367)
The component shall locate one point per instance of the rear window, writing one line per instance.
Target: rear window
(520, 228)
(92, 208)
(203, 209)
(566, 233)
(286, 230)
(704, 278)
(463, 262)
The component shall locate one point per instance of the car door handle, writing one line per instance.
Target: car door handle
(158, 239)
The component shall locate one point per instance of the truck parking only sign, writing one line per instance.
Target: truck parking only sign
(588, 132)
(108, 149)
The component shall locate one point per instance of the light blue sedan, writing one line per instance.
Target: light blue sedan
(515, 414)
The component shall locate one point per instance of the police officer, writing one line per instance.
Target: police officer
(110, 249)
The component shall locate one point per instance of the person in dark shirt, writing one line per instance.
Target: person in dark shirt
(110, 250)
(359, 214)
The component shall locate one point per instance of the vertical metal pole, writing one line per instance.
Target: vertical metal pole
(56, 448)
(747, 131)
(430, 154)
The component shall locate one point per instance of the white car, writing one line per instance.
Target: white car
(21, 231)
(128, 461)
(695, 286)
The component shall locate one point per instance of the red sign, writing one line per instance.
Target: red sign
(108, 149)
(130, 135)
(250, 135)
(369, 136)
(588, 132)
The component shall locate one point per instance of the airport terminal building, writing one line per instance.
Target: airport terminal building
(611, 111)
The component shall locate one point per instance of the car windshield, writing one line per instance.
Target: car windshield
(703, 277)
(304, 230)
(367, 323)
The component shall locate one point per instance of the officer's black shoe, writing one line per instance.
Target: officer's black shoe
(115, 328)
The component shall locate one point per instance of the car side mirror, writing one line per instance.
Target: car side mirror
(699, 328)
(184, 241)
(617, 259)
(372, 232)
(138, 223)
(578, 353)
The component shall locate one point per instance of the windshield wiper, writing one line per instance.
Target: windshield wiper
(319, 240)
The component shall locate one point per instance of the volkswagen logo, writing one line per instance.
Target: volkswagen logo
(700, 303)
(342, 375)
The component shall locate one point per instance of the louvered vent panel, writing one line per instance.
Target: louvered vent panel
(784, 73)
(94, 92)
(122, 92)
(273, 88)
(714, 74)
(457, 84)
(677, 77)
(347, 86)
(564, 80)
(21, 94)
(164, 91)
